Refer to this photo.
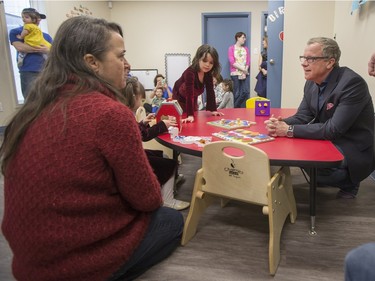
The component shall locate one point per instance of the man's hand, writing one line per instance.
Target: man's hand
(24, 48)
(276, 127)
(43, 49)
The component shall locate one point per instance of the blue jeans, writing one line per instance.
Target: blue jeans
(240, 91)
(27, 78)
(360, 263)
(162, 237)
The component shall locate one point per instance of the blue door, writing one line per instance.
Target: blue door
(219, 30)
(275, 32)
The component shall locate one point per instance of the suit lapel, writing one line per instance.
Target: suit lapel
(315, 96)
(331, 85)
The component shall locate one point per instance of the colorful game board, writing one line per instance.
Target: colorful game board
(200, 141)
(231, 124)
(243, 136)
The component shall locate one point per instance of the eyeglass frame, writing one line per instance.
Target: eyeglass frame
(310, 59)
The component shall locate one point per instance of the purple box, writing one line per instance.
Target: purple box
(262, 108)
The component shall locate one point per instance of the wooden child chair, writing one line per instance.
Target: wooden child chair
(244, 178)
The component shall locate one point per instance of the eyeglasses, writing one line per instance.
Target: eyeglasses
(311, 59)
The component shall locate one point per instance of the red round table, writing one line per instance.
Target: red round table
(282, 151)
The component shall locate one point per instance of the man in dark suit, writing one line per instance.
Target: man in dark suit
(336, 106)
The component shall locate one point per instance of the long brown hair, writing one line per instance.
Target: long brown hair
(75, 38)
(202, 52)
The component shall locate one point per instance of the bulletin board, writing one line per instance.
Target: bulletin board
(175, 65)
(145, 76)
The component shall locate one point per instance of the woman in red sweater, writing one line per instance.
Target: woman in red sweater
(81, 200)
(164, 168)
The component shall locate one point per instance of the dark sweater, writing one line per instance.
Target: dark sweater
(188, 87)
(79, 192)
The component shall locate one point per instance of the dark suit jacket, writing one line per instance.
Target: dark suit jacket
(346, 117)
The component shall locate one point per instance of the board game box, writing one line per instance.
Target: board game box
(243, 136)
(231, 124)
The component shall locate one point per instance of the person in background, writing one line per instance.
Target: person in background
(31, 33)
(218, 88)
(164, 168)
(371, 65)
(360, 262)
(336, 106)
(158, 99)
(227, 101)
(261, 85)
(159, 82)
(197, 78)
(239, 61)
(33, 63)
(81, 201)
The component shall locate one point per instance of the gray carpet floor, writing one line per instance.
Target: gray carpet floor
(232, 242)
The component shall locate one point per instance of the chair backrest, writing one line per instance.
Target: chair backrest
(250, 103)
(244, 178)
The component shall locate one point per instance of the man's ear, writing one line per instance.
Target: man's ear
(92, 62)
(331, 63)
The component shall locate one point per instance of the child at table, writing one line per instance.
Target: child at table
(228, 99)
(158, 99)
(218, 88)
(164, 168)
(197, 78)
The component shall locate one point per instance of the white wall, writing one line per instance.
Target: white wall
(7, 86)
(354, 34)
(302, 21)
(153, 28)
(58, 11)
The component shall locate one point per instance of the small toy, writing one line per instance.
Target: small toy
(231, 124)
(173, 131)
(169, 108)
(200, 141)
(243, 136)
(262, 108)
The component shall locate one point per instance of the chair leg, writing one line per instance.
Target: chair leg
(280, 207)
(199, 202)
(289, 192)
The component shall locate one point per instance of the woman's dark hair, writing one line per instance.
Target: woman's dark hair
(202, 53)
(32, 14)
(75, 38)
(156, 78)
(238, 35)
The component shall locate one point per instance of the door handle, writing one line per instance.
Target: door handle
(272, 61)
